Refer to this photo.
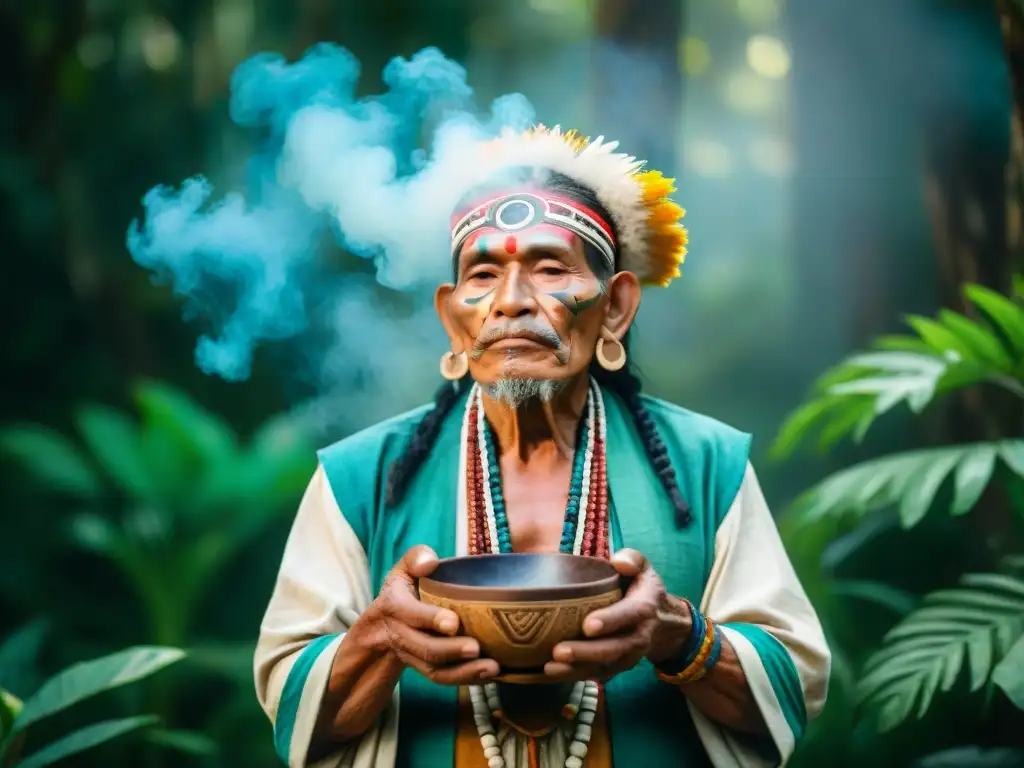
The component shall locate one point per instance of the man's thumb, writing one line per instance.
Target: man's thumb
(419, 561)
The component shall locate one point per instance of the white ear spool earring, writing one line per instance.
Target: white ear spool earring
(454, 367)
(611, 354)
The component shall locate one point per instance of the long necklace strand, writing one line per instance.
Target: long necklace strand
(585, 531)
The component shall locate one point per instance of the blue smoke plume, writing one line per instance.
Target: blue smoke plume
(378, 174)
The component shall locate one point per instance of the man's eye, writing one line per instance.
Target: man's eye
(485, 275)
(552, 270)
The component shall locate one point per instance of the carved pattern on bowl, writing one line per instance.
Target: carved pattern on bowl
(521, 635)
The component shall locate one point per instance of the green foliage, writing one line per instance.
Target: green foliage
(968, 629)
(173, 495)
(70, 687)
(193, 494)
(911, 481)
(963, 639)
(1009, 674)
(52, 458)
(87, 679)
(84, 738)
(947, 353)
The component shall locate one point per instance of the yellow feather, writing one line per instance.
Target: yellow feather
(663, 213)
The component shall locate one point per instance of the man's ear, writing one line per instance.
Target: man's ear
(623, 292)
(442, 304)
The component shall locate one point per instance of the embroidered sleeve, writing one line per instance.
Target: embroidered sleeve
(322, 587)
(754, 594)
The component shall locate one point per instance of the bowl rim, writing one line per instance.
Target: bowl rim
(471, 593)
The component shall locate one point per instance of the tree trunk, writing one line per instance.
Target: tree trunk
(1011, 18)
(637, 87)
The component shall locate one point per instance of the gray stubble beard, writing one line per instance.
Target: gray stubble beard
(515, 392)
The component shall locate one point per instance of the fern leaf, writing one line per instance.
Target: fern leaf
(949, 352)
(910, 481)
(968, 628)
(1004, 313)
(984, 345)
(941, 339)
(1009, 675)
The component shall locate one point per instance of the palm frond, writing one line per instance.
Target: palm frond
(957, 633)
(947, 352)
(911, 481)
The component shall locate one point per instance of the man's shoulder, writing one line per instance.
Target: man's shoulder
(377, 438)
(691, 427)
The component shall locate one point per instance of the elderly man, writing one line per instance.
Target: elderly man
(542, 442)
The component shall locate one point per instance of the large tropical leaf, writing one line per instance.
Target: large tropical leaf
(948, 352)
(51, 458)
(911, 481)
(1009, 675)
(194, 430)
(1006, 314)
(114, 440)
(83, 739)
(956, 632)
(86, 679)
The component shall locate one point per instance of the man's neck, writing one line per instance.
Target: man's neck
(536, 426)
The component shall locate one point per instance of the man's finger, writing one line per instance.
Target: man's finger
(629, 563)
(471, 672)
(476, 671)
(634, 609)
(418, 561)
(603, 652)
(405, 607)
(557, 672)
(434, 651)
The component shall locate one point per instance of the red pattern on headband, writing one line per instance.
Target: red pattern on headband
(541, 193)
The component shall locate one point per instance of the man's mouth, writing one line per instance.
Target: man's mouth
(520, 340)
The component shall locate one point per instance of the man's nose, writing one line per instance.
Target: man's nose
(515, 296)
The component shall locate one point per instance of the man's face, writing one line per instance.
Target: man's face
(525, 305)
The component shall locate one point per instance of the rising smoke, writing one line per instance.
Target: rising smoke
(378, 174)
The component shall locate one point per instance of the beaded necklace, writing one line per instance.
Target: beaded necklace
(585, 528)
(584, 532)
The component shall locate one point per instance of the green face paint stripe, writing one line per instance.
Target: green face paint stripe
(574, 305)
(477, 299)
(587, 303)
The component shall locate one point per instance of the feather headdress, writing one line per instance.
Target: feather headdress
(651, 238)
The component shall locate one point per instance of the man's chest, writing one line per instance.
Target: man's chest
(536, 505)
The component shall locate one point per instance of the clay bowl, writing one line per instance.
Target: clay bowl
(519, 606)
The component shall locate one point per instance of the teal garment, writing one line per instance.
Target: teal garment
(288, 707)
(646, 717)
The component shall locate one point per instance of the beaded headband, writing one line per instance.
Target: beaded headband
(516, 211)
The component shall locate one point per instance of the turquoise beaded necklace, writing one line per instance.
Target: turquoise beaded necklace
(572, 507)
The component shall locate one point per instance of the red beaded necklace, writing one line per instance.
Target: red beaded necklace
(595, 536)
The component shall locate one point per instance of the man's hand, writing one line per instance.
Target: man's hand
(419, 635)
(647, 622)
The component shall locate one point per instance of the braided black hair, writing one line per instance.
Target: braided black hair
(624, 382)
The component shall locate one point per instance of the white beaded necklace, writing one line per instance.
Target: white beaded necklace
(583, 699)
(487, 705)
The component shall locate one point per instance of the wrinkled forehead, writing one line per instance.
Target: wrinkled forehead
(539, 212)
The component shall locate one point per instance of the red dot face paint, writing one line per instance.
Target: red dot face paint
(510, 245)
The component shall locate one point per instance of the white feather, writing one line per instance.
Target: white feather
(611, 176)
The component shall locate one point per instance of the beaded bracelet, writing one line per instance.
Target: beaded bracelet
(700, 653)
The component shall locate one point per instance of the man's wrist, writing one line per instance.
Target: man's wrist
(674, 632)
